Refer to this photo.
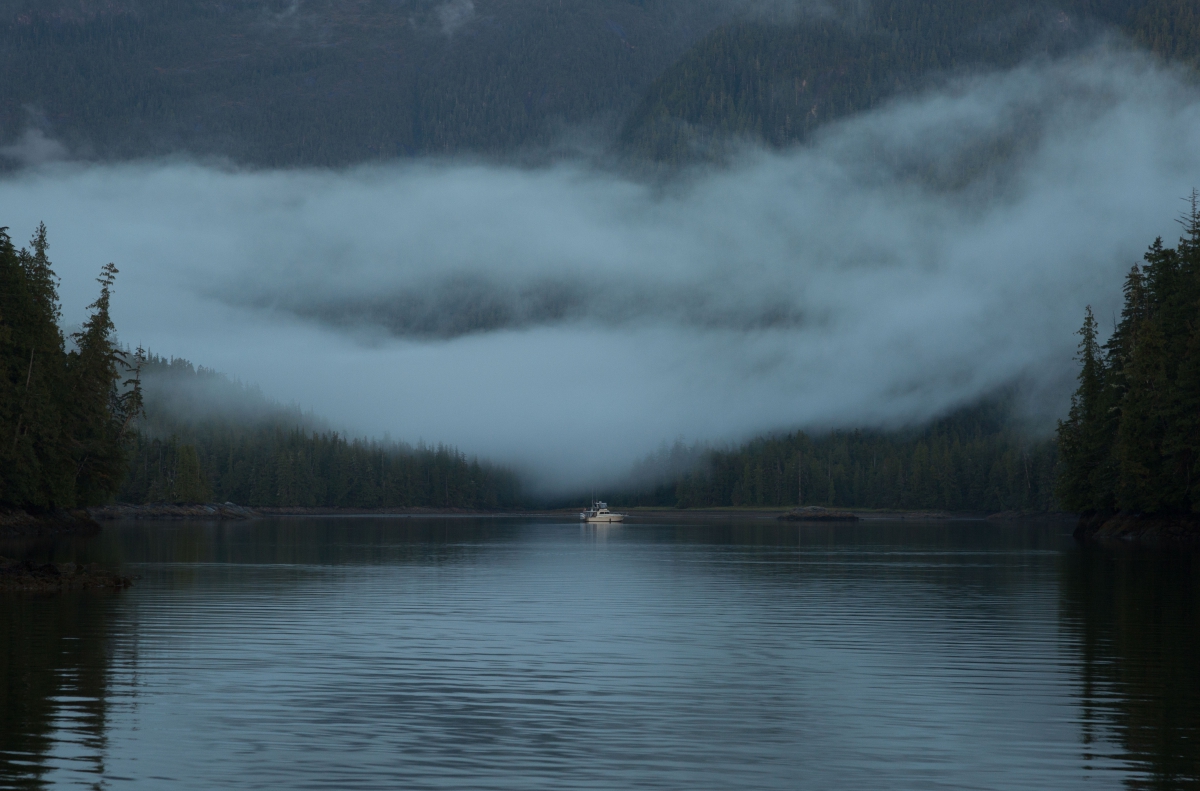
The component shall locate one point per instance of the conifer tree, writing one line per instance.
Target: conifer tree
(1136, 449)
(102, 413)
(1181, 445)
(1141, 430)
(34, 456)
(1083, 439)
(63, 417)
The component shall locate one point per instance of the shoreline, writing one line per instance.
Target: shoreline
(1171, 529)
(15, 522)
(29, 577)
(76, 521)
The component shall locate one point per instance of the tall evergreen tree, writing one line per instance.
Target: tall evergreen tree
(63, 417)
(101, 411)
(1181, 445)
(34, 457)
(1083, 442)
(1136, 449)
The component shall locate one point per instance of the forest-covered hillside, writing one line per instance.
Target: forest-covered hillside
(1131, 442)
(336, 82)
(328, 82)
(83, 422)
(203, 438)
(977, 459)
(777, 83)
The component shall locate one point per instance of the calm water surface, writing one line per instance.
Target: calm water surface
(388, 653)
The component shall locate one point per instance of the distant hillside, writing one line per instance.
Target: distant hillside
(279, 83)
(328, 82)
(204, 437)
(776, 83)
(978, 459)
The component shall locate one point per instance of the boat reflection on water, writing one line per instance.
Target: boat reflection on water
(599, 513)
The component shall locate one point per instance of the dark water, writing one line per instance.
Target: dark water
(409, 654)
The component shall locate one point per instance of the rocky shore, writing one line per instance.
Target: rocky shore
(223, 511)
(815, 513)
(55, 577)
(50, 523)
(14, 522)
(1025, 516)
(230, 511)
(1149, 528)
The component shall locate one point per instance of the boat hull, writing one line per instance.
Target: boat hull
(605, 518)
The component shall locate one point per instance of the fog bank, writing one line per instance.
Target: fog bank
(909, 260)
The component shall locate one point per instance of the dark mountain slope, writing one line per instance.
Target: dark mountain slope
(206, 438)
(980, 458)
(328, 82)
(1170, 28)
(777, 83)
(336, 82)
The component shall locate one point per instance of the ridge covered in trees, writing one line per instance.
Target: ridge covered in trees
(331, 83)
(65, 409)
(976, 459)
(276, 83)
(204, 438)
(1131, 441)
(777, 83)
(77, 429)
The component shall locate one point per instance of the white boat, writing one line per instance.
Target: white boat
(599, 513)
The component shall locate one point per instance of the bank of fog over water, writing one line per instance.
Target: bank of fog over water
(908, 262)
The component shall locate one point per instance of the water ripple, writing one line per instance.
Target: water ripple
(334, 654)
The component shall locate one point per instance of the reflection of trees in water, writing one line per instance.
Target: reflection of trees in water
(322, 541)
(1134, 615)
(952, 558)
(53, 684)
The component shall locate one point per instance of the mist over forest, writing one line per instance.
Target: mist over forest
(557, 235)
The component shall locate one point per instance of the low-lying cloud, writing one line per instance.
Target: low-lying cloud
(33, 147)
(907, 261)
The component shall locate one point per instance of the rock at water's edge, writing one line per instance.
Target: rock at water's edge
(815, 513)
(1162, 528)
(31, 577)
(222, 511)
(16, 522)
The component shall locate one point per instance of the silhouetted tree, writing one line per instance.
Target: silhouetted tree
(64, 417)
(1132, 439)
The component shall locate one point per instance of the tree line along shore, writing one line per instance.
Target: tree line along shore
(1130, 445)
(85, 423)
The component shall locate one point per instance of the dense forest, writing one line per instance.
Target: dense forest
(1131, 441)
(777, 83)
(328, 82)
(66, 409)
(977, 459)
(77, 427)
(204, 438)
